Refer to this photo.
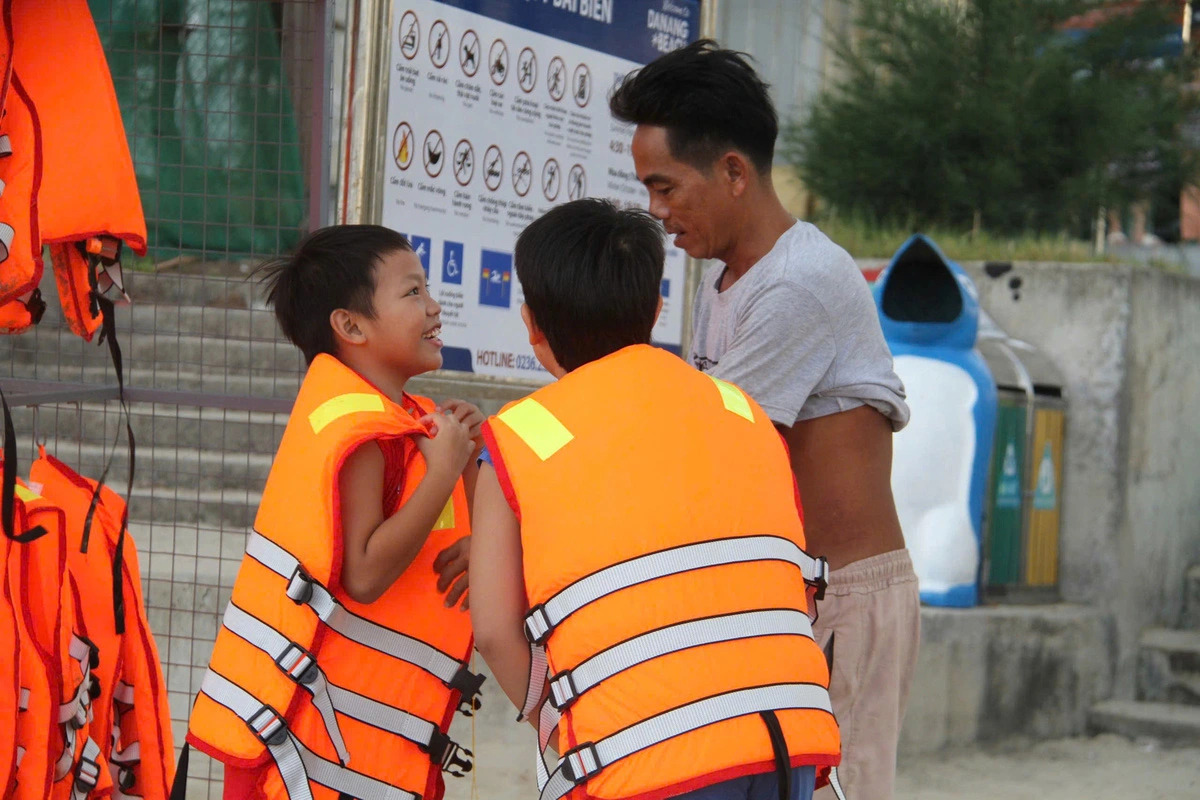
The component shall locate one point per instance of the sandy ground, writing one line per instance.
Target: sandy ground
(1070, 769)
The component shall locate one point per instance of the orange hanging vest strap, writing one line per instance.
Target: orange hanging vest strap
(9, 490)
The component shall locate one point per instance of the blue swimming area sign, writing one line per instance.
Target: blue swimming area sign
(497, 111)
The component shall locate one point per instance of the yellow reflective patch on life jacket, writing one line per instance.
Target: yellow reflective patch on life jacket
(733, 399)
(537, 427)
(335, 408)
(445, 520)
(27, 495)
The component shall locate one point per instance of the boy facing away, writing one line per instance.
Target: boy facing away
(641, 529)
(342, 657)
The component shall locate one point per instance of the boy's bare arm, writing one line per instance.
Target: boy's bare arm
(377, 550)
(498, 603)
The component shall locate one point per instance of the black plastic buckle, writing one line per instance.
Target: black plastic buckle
(273, 731)
(308, 674)
(125, 779)
(822, 576)
(537, 625)
(455, 759)
(564, 677)
(467, 684)
(577, 762)
(300, 586)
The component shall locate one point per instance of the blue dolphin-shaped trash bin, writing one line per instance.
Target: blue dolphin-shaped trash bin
(929, 311)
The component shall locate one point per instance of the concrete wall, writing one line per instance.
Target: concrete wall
(1127, 340)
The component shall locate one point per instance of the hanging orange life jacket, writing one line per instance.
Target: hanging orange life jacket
(131, 716)
(340, 696)
(666, 577)
(10, 678)
(60, 760)
(83, 199)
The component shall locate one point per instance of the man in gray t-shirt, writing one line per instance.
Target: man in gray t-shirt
(786, 315)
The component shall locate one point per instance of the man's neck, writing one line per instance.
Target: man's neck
(760, 229)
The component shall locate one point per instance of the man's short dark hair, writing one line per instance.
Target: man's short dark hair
(331, 268)
(708, 99)
(591, 273)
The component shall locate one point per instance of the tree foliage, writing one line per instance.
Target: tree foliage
(994, 112)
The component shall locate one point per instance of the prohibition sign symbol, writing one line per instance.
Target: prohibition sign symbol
(551, 179)
(493, 168)
(432, 153)
(576, 183)
(403, 145)
(581, 85)
(410, 35)
(527, 70)
(556, 78)
(468, 53)
(522, 173)
(464, 162)
(498, 62)
(439, 44)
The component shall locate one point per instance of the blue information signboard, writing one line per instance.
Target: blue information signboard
(497, 111)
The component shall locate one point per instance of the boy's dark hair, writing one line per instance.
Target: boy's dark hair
(331, 268)
(591, 274)
(709, 99)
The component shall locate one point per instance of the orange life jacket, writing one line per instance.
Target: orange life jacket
(666, 578)
(341, 696)
(131, 717)
(60, 760)
(82, 197)
(10, 678)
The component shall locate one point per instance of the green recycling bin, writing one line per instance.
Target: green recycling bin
(1023, 513)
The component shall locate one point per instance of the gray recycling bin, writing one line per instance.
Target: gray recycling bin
(1024, 508)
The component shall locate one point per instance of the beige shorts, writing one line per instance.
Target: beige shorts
(869, 626)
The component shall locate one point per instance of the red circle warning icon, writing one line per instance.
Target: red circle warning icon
(432, 153)
(403, 145)
(410, 35)
(439, 44)
(498, 62)
(464, 162)
(551, 179)
(527, 70)
(556, 79)
(469, 53)
(581, 85)
(577, 183)
(522, 173)
(493, 168)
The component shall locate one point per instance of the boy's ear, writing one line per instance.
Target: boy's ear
(657, 311)
(536, 336)
(345, 326)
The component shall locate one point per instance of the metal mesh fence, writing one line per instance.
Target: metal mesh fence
(224, 107)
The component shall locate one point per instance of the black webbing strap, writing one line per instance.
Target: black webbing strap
(8, 504)
(179, 787)
(783, 766)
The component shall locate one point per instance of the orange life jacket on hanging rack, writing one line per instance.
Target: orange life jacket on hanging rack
(666, 577)
(341, 696)
(131, 716)
(60, 759)
(10, 677)
(82, 199)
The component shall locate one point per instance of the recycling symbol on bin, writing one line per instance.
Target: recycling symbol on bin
(1045, 496)
(1008, 490)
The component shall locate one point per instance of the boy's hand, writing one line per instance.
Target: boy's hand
(452, 563)
(449, 444)
(469, 415)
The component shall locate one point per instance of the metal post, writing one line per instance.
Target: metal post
(366, 148)
(321, 28)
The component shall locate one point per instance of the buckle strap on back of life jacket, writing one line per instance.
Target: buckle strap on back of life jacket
(543, 618)
(580, 763)
(87, 774)
(296, 763)
(302, 589)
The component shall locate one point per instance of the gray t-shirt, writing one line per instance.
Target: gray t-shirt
(799, 332)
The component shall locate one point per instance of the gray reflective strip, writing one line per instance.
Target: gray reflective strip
(7, 234)
(23, 702)
(77, 707)
(538, 672)
(296, 763)
(382, 716)
(618, 658)
(5, 146)
(130, 755)
(123, 693)
(88, 773)
(288, 656)
(349, 624)
(544, 619)
(62, 767)
(588, 760)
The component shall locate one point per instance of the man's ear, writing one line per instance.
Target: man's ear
(735, 169)
(536, 336)
(345, 326)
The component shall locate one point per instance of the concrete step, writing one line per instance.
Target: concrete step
(157, 425)
(255, 383)
(1169, 666)
(223, 509)
(1173, 723)
(1191, 598)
